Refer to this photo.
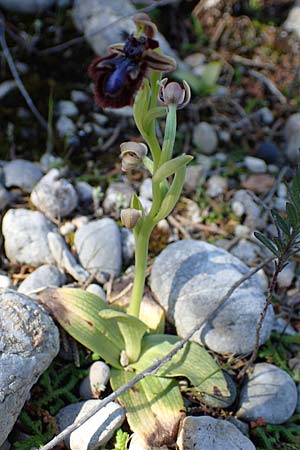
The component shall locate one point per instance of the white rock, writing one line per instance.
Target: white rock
(64, 258)
(282, 190)
(292, 137)
(45, 276)
(29, 342)
(255, 165)
(270, 393)
(79, 96)
(238, 208)
(98, 245)
(95, 383)
(242, 231)
(292, 22)
(67, 108)
(207, 433)
(189, 279)
(21, 173)
(65, 126)
(25, 233)
(79, 221)
(216, 185)
(117, 197)
(97, 290)
(54, 196)
(286, 276)
(96, 431)
(205, 138)
(266, 116)
(67, 228)
(5, 282)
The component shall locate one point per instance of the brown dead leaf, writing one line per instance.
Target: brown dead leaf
(259, 183)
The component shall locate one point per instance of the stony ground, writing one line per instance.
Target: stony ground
(63, 184)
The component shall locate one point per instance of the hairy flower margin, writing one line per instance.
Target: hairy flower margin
(119, 75)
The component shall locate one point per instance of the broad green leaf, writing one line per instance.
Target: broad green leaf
(77, 311)
(192, 362)
(210, 75)
(170, 167)
(131, 329)
(266, 242)
(281, 222)
(292, 215)
(172, 196)
(154, 407)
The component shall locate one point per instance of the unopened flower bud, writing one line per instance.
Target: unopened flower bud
(130, 217)
(173, 94)
(132, 154)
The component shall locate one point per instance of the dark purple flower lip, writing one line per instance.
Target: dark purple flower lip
(119, 75)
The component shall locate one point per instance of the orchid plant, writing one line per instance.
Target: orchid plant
(132, 73)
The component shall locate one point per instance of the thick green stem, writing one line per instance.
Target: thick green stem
(141, 253)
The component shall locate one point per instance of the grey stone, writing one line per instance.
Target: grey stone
(216, 185)
(270, 393)
(95, 383)
(54, 196)
(79, 96)
(242, 426)
(98, 245)
(281, 326)
(6, 446)
(97, 430)
(128, 245)
(242, 231)
(292, 137)
(67, 228)
(5, 197)
(85, 192)
(189, 279)
(22, 174)
(49, 161)
(29, 341)
(298, 400)
(286, 276)
(117, 197)
(97, 290)
(205, 138)
(292, 22)
(194, 176)
(67, 108)
(7, 86)
(45, 276)
(254, 219)
(255, 165)
(207, 433)
(64, 258)
(65, 126)
(146, 189)
(5, 282)
(25, 237)
(266, 116)
(247, 251)
(114, 22)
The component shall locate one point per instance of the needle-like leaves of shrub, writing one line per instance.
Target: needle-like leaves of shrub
(131, 329)
(192, 362)
(154, 407)
(77, 311)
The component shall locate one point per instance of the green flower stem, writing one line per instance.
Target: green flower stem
(170, 135)
(141, 253)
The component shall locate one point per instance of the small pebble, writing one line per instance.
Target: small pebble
(216, 185)
(266, 116)
(6, 87)
(21, 173)
(117, 197)
(79, 96)
(282, 326)
(242, 231)
(269, 393)
(286, 276)
(85, 192)
(205, 138)
(45, 276)
(97, 290)
(95, 383)
(67, 108)
(67, 228)
(292, 22)
(292, 137)
(207, 433)
(65, 126)
(269, 152)
(238, 208)
(97, 430)
(79, 221)
(255, 165)
(5, 282)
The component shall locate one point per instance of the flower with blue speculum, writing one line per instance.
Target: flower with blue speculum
(119, 75)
